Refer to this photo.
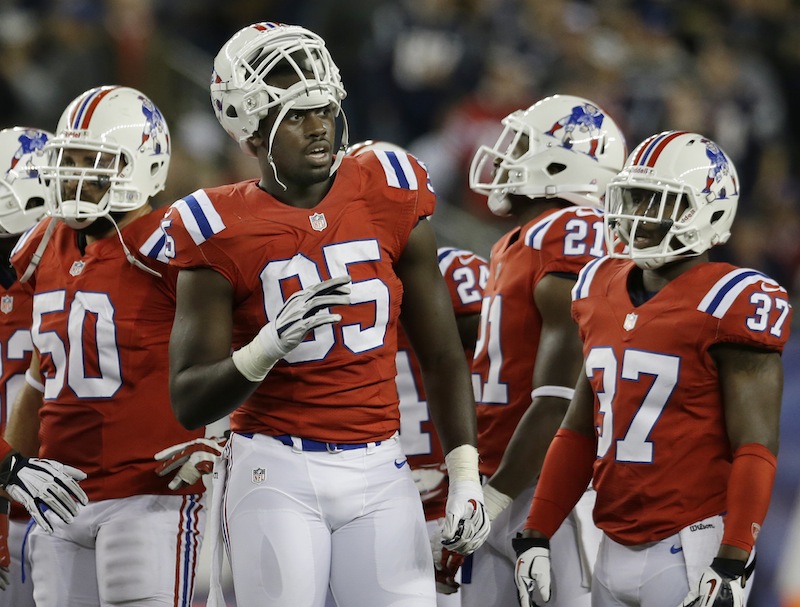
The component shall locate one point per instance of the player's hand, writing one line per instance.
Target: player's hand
(466, 524)
(193, 459)
(5, 557)
(446, 564)
(43, 484)
(532, 573)
(304, 311)
(721, 585)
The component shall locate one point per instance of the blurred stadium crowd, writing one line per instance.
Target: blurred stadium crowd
(436, 76)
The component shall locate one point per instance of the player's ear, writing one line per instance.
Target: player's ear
(253, 142)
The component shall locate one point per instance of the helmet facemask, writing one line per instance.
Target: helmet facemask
(677, 194)
(88, 180)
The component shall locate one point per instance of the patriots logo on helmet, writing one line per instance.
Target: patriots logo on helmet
(720, 168)
(586, 118)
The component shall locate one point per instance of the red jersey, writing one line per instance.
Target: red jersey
(16, 348)
(560, 240)
(465, 275)
(663, 452)
(102, 327)
(339, 384)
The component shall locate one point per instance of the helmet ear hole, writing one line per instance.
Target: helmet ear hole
(230, 112)
(554, 168)
(717, 216)
(34, 203)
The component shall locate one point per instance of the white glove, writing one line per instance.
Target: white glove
(721, 585)
(466, 524)
(304, 311)
(195, 458)
(41, 484)
(532, 573)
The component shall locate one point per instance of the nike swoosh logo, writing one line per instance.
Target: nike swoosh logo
(771, 288)
(675, 549)
(399, 463)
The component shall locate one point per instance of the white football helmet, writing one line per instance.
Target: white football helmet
(561, 147)
(128, 140)
(677, 193)
(22, 194)
(240, 94)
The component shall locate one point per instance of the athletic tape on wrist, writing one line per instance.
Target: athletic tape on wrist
(252, 362)
(494, 501)
(462, 464)
(557, 391)
(33, 382)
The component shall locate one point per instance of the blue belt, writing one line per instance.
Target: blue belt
(307, 444)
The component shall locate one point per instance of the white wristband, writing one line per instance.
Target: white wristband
(557, 391)
(494, 501)
(462, 464)
(33, 382)
(252, 362)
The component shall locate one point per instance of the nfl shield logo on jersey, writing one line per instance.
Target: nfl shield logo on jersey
(77, 268)
(6, 304)
(318, 221)
(259, 475)
(630, 321)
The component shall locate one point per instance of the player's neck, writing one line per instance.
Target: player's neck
(302, 197)
(123, 221)
(655, 280)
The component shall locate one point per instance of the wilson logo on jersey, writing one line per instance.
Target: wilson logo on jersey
(399, 171)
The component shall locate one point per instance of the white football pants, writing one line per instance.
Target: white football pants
(295, 522)
(20, 592)
(140, 550)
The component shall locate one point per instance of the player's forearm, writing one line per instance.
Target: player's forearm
(22, 430)
(523, 458)
(452, 404)
(202, 394)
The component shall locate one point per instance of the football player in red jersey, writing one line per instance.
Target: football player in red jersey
(465, 274)
(675, 419)
(103, 306)
(21, 206)
(528, 354)
(305, 273)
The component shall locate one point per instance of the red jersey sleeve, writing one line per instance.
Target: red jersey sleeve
(465, 275)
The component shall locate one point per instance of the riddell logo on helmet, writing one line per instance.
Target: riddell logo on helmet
(640, 170)
(76, 134)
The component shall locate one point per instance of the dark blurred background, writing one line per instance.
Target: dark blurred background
(436, 76)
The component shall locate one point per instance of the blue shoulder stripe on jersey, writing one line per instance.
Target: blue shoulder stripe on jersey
(443, 252)
(153, 247)
(401, 177)
(724, 292)
(399, 170)
(585, 277)
(534, 237)
(199, 216)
